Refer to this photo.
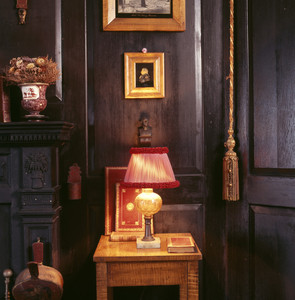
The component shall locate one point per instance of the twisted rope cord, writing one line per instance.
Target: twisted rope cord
(230, 162)
(231, 69)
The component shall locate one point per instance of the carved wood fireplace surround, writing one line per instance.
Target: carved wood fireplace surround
(29, 190)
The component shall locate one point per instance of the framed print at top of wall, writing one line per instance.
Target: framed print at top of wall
(144, 75)
(144, 15)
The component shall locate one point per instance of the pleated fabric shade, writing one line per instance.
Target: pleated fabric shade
(150, 168)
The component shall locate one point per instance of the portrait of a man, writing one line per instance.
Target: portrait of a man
(144, 75)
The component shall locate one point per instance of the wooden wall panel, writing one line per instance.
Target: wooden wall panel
(275, 190)
(263, 221)
(113, 121)
(272, 83)
(35, 38)
(170, 215)
(40, 36)
(272, 249)
(177, 119)
(214, 16)
(105, 123)
(190, 191)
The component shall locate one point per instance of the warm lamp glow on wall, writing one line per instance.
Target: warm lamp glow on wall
(149, 168)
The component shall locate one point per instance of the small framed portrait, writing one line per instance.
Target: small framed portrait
(144, 75)
(144, 15)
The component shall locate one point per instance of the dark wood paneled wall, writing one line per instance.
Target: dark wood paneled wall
(271, 194)
(176, 120)
(215, 70)
(238, 240)
(106, 123)
(260, 229)
(272, 94)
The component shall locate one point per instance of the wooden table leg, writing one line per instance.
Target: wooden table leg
(110, 293)
(101, 281)
(193, 281)
(183, 291)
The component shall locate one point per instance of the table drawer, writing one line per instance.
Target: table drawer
(147, 273)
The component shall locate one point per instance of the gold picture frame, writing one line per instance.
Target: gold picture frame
(144, 75)
(143, 21)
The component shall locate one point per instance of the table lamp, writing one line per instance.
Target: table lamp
(149, 168)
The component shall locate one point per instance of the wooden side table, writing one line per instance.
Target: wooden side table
(121, 264)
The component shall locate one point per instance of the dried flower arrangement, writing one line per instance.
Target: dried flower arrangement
(29, 70)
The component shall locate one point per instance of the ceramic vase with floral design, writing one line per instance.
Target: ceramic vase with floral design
(34, 99)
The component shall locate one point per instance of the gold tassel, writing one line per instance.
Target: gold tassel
(230, 161)
(230, 172)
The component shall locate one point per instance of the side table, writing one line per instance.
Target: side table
(120, 264)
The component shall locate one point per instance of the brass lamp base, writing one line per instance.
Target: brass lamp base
(148, 203)
(155, 244)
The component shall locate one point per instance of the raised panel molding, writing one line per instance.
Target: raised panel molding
(181, 218)
(177, 120)
(190, 191)
(273, 110)
(278, 191)
(272, 231)
(42, 225)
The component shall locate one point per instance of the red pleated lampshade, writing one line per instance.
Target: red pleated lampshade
(150, 168)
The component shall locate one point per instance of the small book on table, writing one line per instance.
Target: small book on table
(180, 244)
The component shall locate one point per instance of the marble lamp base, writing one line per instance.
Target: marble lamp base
(140, 244)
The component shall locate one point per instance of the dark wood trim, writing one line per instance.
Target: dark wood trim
(213, 98)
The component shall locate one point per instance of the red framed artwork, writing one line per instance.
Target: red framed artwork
(113, 175)
(127, 217)
(122, 220)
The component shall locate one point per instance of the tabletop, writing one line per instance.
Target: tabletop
(108, 251)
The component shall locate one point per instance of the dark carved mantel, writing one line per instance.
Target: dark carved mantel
(29, 189)
(35, 133)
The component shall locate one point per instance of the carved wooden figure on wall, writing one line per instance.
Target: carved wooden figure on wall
(22, 6)
(144, 133)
